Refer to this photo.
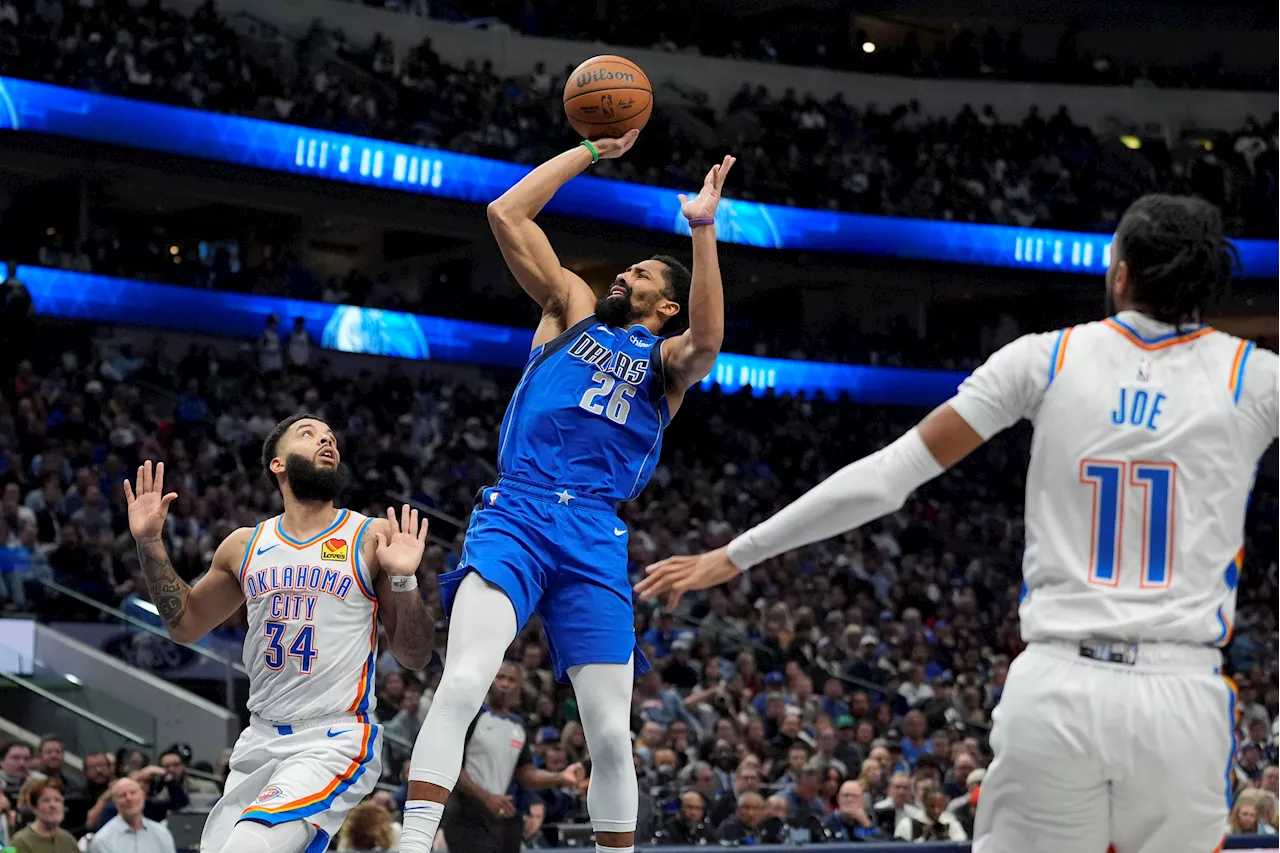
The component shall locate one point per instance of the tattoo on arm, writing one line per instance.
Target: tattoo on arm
(168, 591)
(415, 628)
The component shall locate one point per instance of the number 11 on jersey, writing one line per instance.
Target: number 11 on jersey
(1111, 481)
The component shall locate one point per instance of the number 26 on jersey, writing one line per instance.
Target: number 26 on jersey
(608, 397)
(1113, 483)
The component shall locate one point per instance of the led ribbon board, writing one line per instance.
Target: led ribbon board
(372, 331)
(289, 149)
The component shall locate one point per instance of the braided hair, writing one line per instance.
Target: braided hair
(1178, 256)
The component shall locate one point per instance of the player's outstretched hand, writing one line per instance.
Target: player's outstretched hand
(610, 149)
(573, 775)
(400, 544)
(148, 504)
(704, 204)
(677, 575)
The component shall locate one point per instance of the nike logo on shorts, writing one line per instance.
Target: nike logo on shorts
(332, 733)
(617, 532)
(262, 551)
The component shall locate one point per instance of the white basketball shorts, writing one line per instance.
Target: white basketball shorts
(315, 772)
(1131, 750)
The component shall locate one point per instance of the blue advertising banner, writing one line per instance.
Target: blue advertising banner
(41, 108)
(371, 331)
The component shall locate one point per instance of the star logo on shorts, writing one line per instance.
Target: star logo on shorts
(564, 495)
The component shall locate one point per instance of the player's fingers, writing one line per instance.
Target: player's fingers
(673, 601)
(128, 492)
(405, 517)
(682, 198)
(168, 499)
(391, 517)
(158, 485)
(423, 528)
(413, 524)
(145, 477)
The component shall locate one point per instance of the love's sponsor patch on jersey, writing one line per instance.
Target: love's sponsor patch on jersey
(333, 549)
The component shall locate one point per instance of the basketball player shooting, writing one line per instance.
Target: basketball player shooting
(314, 580)
(583, 431)
(1115, 726)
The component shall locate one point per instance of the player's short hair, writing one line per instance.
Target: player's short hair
(678, 280)
(269, 444)
(1178, 255)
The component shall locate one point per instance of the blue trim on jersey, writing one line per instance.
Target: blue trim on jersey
(320, 843)
(248, 552)
(1226, 629)
(306, 811)
(368, 685)
(367, 588)
(284, 730)
(342, 516)
(1248, 348)
(1235, 741)
(1053, 359)
(1176, 333)
(514, 718)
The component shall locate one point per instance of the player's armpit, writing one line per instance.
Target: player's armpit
(685, 362)
(217, 595)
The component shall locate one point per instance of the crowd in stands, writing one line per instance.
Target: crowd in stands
(837, 692)
(821, 38)
(976, 166)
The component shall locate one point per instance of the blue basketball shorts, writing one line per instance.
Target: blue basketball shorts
(561, 555)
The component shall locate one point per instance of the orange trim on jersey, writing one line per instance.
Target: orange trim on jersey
(338, 522)
(248, 552)
(1235, 366)
(1221, 845)
(1062, 351)
(328, 789)
(364, 688)
(366, 591)
(1162, 344)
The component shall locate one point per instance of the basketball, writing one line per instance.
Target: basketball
(607, 96)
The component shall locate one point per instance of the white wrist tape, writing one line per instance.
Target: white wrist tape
(404, 583)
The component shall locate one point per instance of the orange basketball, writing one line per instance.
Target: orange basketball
(607, 96)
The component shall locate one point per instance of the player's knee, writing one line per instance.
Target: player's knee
(462, 689)
(611, 742)
(250, 837)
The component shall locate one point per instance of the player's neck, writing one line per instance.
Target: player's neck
(305, 519)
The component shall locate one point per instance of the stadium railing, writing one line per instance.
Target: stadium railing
(229, 666)
(45, 701)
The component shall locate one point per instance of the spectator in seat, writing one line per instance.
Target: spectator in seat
(890, 811)
(45, 834)
(368, 827)
(1271, 780)
(1244, 814)
(689, 825)
(871, 780)
(130, 831)
(803, 826)
(966, 808)
(15, 758)
(531, 835)
(175, 762)
(404, 725)
(747, 825)
(850, 821)
(656, 705)
(746, 780)
(937, 824)
(802, 796)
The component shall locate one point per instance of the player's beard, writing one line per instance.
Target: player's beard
(311, 483)
(617, 311)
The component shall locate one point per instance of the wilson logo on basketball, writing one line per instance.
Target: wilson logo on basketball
(586, 78)
(334, 549)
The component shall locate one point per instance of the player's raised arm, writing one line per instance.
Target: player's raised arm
(995, 397)
(396, 548)
(525, 247)
(187, 612)
(690, 356)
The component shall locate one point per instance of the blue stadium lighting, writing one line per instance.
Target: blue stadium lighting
(41, 108)
(371, 331)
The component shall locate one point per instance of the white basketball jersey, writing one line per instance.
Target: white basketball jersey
(1147, 440)
(313, 622)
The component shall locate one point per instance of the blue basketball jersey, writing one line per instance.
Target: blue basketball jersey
(589, 412)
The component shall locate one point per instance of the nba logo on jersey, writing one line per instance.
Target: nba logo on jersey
(493, 498)
(334, 549)
(1144, 370)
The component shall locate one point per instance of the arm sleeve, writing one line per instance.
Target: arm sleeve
(1011, 384)
(865, 490)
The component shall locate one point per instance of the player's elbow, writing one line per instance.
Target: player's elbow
(500, 215)
(185, 633)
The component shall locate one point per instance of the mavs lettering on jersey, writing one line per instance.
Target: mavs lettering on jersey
(588, 413)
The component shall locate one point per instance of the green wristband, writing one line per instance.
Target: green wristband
(595, 155)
